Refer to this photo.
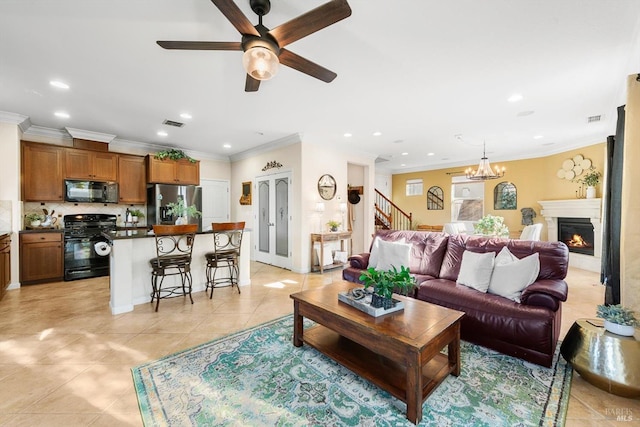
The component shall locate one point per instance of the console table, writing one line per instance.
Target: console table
(322, 238)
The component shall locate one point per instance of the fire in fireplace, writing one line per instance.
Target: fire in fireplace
(577, 234)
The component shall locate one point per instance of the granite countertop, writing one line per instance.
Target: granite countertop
(135, 233)
(42, 230)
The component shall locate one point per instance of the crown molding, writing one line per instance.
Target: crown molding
(90, 135)
(285, 141)
(147, 147)
(47, 132)
(24, 122)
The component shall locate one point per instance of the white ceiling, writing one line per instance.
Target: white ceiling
(431, 76)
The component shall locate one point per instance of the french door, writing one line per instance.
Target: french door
(273, 243)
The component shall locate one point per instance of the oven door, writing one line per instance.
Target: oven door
(83, 259)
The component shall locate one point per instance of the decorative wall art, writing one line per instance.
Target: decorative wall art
(573, 168)
(245, 199)
(271, 165)
(327, 187)
(435, 198)
(505, 196)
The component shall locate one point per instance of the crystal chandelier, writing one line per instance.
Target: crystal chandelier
(484, 171)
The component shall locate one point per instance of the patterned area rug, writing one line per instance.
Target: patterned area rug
(257, 377)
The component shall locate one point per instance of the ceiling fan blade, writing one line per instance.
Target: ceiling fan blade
(238, 19)
(251, 85)
(310, 22)
(200, 45)
(303, 65)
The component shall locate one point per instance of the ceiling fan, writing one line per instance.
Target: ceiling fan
(264, 48)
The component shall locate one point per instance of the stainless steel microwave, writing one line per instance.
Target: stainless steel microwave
(91, 192)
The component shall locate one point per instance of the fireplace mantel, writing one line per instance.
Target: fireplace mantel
(576, 208)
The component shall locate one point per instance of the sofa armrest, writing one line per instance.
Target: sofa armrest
(546, 293)
(360, 261)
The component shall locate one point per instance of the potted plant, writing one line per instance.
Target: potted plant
(590, 179)
(491, 225)
(333, 225)
(618, 319)
(33, 219)
(136, 214)
(182, 212)
(384, 283)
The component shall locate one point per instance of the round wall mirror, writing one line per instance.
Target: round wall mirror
(327, 187)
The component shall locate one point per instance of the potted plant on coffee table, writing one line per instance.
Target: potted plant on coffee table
(384, 283)
(618, 319)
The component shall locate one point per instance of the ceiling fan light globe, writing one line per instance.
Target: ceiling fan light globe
(260, 62)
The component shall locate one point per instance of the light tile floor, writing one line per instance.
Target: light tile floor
(66, 361)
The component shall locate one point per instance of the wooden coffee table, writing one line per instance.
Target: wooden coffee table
(399, 352)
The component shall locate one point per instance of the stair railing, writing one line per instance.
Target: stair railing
(388, 215)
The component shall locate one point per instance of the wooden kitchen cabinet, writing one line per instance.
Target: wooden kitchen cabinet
(42, 172)
(169, 171)
(5, 263)
(41, 257)
(132, 179)
(92, 165)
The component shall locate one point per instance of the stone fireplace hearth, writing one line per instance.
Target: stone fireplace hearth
(576, 208)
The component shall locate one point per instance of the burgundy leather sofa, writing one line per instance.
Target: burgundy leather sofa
(528, 330)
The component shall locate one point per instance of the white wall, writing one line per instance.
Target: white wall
(10, 190)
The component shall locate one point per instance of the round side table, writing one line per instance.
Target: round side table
(608, 361)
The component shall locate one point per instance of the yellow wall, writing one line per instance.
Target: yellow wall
(535, 179)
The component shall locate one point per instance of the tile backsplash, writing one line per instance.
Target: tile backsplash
(62, 209)
(5, 215)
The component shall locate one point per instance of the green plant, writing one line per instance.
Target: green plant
(491, 226)
(385, 282)
(173, 154)
(33, 216)
(333, 224)
(617, 314)
(137, 212)
(180, 209)
(591, 177)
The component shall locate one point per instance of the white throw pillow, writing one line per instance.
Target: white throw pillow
(512, 275)
(374, 256)
(394, 254)
(476, 269)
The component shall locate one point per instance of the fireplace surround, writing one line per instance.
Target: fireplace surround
(585, 211)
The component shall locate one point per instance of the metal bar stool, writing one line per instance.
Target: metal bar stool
(174, 244)
(227, 238)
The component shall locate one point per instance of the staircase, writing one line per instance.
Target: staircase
(388, 216)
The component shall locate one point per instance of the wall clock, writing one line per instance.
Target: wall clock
(327, 187)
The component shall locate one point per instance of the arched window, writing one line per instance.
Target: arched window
(505, 196)
(435, 198)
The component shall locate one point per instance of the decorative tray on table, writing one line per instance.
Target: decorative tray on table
(364, 304)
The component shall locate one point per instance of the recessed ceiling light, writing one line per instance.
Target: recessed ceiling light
(162, 133)
(538, 137)
(348, 135)
(515, 97)
(402, 164)
(227, 145)
(405, 153)
(186, 116)
(377, 133)
(431, 154)
(61, 114)
(59, 84)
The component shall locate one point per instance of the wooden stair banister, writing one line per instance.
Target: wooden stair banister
(389, 216)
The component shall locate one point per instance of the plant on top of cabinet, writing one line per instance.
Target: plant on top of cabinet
(173, 154)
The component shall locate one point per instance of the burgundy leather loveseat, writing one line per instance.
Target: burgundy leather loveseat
(528, 330)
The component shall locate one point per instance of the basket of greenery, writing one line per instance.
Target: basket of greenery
(618, 319)
(173, 154)
(384, 284)
(33, 219)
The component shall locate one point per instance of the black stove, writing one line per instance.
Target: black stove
(86, 251)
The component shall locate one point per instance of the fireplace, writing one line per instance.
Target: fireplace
(577, 234)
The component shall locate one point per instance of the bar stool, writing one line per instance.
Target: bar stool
(174, 244)
(227, 238)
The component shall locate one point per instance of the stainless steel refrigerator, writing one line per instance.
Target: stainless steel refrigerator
(160, 195)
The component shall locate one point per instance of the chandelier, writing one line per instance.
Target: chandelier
(484, 171)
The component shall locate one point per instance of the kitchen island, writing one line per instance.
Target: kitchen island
(130, 272)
